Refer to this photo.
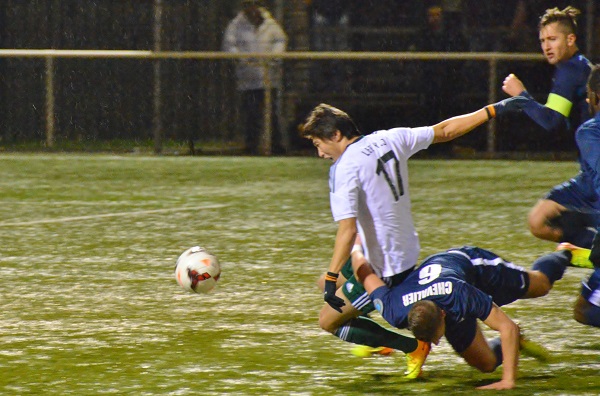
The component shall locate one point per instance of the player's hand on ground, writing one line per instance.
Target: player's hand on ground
(329, 295)
(512, 85)
(504, 384)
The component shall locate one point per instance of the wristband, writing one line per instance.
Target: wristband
(491, 111)
(331, 276)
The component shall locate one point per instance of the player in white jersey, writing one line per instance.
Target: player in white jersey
(369, 182)
(369, 197)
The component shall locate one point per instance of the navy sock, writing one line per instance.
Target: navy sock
(553, 265)
(496, 347)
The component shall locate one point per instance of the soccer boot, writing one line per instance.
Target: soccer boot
(532, 349)
(416, 359)
(580, 257)
(365, 351)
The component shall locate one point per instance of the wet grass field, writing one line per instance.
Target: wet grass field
(89, 305)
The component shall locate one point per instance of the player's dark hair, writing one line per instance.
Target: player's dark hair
(566, 18)
(594, 79)
(424, 319)
(324, 120)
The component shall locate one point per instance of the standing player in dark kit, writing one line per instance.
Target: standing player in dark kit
(571, 211)
(585, 190)
(565, 110)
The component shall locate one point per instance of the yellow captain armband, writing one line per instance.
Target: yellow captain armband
(559, 104)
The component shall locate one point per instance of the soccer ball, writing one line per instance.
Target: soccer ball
(197, 271)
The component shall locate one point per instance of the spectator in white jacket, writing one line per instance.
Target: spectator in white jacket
(254, 30)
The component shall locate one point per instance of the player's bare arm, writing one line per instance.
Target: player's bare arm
(458, 126)
(509, 336)
(512, 85)
(344, 240)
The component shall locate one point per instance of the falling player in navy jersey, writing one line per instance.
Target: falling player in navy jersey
(369, 196)
(565, 110)
(450, 291)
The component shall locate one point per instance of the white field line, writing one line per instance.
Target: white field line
(118, 214)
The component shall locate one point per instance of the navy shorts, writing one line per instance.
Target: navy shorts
(460, 335)
(590, 288)
(572, 195)
(505, 282)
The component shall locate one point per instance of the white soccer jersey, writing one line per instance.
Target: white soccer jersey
(370, 182)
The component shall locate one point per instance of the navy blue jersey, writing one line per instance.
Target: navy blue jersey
(588, 142)
(566, 105)
(590, 288)
(464, 282)
(582, 193)
(569, 82)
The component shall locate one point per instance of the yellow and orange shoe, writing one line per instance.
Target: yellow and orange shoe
(365, 351)
(580, 257)
(416, 359)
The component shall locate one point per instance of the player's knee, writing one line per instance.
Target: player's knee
(539, 285)
(488, 367)
(579, 316)
(327, 323)
(536, 226)
(485, 365)
(586, 313)
(541, 222)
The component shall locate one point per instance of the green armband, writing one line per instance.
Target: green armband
(559, 104)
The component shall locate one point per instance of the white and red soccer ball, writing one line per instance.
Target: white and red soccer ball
(197, 271)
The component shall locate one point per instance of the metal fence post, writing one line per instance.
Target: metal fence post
(267, 111)
(50, 121)
(492, 81)
(156, 117)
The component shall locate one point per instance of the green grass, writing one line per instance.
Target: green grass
(90, 306)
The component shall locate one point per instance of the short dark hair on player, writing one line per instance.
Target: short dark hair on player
(324, 120)
(424, 319)
(566, 18)
(594, 79)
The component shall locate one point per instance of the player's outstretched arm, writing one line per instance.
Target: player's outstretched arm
(509, 337)
(458, 126)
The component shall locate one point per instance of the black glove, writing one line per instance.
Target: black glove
(329, 295)
(514, 103)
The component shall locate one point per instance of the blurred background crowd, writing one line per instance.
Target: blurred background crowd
(99, 99)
